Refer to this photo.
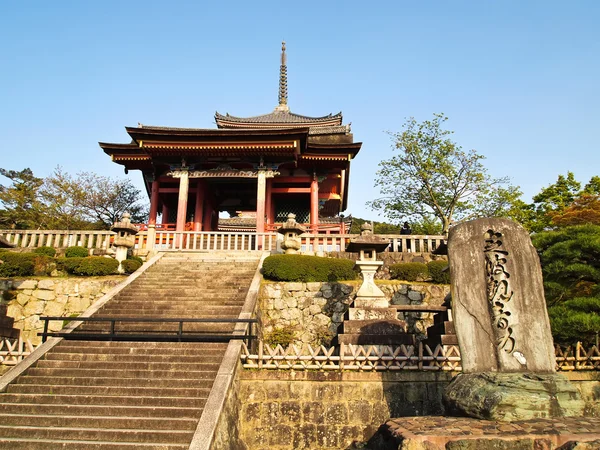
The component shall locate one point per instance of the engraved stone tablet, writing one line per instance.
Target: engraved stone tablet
(498, 300)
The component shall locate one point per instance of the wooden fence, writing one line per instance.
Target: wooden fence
(389, 358)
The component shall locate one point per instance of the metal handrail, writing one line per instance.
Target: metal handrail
(119, 335)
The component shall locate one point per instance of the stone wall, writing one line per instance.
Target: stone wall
(315, 311)
(28, 299)
(290, 410)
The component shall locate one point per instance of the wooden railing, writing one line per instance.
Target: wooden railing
(390, 358)
(398, 242)
(211, 240)
(208, 240)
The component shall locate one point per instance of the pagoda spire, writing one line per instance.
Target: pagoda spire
(283, 93)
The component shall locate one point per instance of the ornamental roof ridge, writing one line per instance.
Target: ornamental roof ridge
(279, 117)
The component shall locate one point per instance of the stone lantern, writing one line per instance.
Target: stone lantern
(291, 231)
(367, 245)
(125, 238)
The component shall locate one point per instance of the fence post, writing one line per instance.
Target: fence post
(260, 353)
(342, 348)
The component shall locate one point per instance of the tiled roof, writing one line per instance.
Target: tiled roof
(280, 117)
(340, 129)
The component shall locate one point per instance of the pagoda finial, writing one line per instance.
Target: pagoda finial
(283, 94)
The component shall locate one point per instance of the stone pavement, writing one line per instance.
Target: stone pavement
(435, 432)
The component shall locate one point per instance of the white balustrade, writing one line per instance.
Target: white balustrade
(208, 240)
(58, 238)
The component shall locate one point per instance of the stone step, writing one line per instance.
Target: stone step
(64, 399)
(149, 300)
(58, 389)
(119, 373)
(52, 420)
(200, 346)
(117, 382)
(127, 365)
(166, 351)
(128, 357)
(101, 410)
(180, 312)
(376, 339)
(98, 434)
(47, 444)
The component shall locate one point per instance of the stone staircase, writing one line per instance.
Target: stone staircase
(126, 395)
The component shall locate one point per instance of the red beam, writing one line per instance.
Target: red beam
(290, 190)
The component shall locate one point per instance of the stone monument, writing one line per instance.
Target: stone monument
(502, 326)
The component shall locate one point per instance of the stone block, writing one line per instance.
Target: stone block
(279, 304)
(276, 390)
(22, 299)
(291, 412)
(304, 437)
(313, 287)
(359, 412)
(294, 287)
(327, 391)
(46, 284)
(299, 391)
(415, 296)
(44, 294)
(32, 307)
(580, 445)
(54, 309)
(280, 435)
(328, 436)
(291, 302)
(372, 392)
(335, 413)
(25, 284)
(512, 396)
(15, 310)
(312, 412)
(372, 313)
(270, 414)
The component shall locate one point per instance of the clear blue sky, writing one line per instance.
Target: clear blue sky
(519, 80)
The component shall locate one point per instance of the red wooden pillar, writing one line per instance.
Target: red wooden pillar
(269, 202)
(198, 213)
(314, 205)
(261, 187)
(207, 216)
(165, 214)
(182, 201)
(153, 203)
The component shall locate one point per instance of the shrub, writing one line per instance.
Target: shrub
(136, 258)
(131, 265)
(68, 264)
(280, 336)
(47, 251)
(96, 265)
(76, 252)
(17, 264)
(414, 271)
(438, 271)
(307, 268)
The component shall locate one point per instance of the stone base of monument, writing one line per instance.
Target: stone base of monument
(512, 396)
(458, 433)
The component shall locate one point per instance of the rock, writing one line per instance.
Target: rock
(25, 284)
(291, 302)
(313, 287)
(45, 284)
(512, 396)
(54, 309)
(294, 286)
(44, 294)
(415, 296)
(33, 307)
(579, 445)
(279, 303)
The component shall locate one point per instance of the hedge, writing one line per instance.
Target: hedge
(68, 264)
(131, 265)
(413, 271)
(25, 264)
(96, 265)
(307, 268)
(17, 264)
(47, 251)
(438, 271)
(76, 252)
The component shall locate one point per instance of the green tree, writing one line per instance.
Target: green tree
(21, 207)
(570, 259)
(432, 176)
(550, 200)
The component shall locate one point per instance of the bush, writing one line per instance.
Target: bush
(17, 264)
(47, 251)
(438, 271)
(131, 265)
(76, 252)
(307, 268)
(96, 265)
(280, 336)
(68, 264)
(414, 271)
(136, 258)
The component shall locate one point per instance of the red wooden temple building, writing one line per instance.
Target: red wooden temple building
(258, 169)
